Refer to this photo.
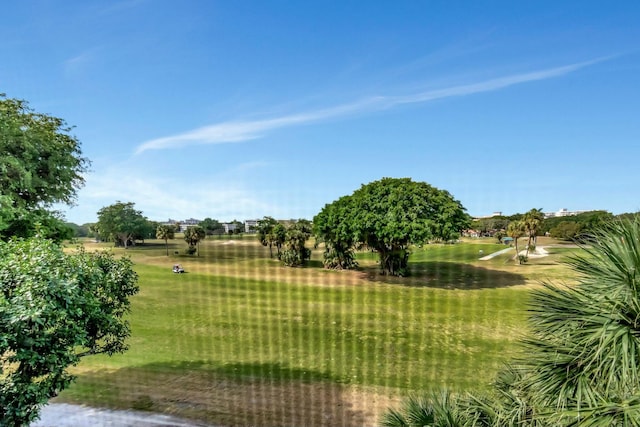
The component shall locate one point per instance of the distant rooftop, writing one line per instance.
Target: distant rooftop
(562, 212)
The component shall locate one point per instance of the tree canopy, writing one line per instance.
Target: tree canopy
(271, 233)
(332, 227)
(122, 224)
(388, 216)
(295, 253)
(41, 164)
(573, 227)
(54, 309)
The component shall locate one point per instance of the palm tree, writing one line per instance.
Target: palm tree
(583, 356)
(581, 360)
(165, 232)
(515, 230)
(193, 235)
(265, 233)
(437, 409)
(532, 221)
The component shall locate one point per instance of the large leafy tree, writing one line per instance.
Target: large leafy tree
(121, 223)
(55, 309)
(40, 164)
(389, 216)
(331, 228)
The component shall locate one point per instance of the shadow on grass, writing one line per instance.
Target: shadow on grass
(313, 263)
(265, 394)
(146, 245)
(448, 275)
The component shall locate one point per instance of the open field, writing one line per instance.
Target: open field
(241, 340)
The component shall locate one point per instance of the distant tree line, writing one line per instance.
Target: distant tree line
(572, 227)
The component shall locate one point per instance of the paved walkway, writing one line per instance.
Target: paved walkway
(495, 254)
(538, 253)
(66, 415)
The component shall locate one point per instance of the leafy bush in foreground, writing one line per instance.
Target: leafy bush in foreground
(581, 359)
(54, 309)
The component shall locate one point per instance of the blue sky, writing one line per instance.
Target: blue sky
(237, 109)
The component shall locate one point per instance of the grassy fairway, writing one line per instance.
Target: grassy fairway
(241, 340)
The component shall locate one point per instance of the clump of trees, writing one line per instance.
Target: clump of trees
(580, 359)
(576, 226)
(271, 234)
(388, 216)
(289, 241)
(122, 224)
(295, 253)
(211, 226)
(193, 236)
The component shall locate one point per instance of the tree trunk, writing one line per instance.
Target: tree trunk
(529, 243)
(394, 262)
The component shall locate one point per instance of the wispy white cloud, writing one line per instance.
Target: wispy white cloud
(245, 130)
(225, 197)
(78, 62)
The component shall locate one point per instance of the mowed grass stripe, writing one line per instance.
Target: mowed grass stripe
(373, 334)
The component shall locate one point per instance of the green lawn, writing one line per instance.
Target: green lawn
(238, 317)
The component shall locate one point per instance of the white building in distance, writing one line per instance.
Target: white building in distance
(562, 212)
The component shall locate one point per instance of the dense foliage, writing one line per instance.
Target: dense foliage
(54, 309)
(332, 227)
(295, 253)
(40, 164)
(193, 235)
(271, 233)
(576, 226)
(388, 216)
(122, 224)
(580, 360)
